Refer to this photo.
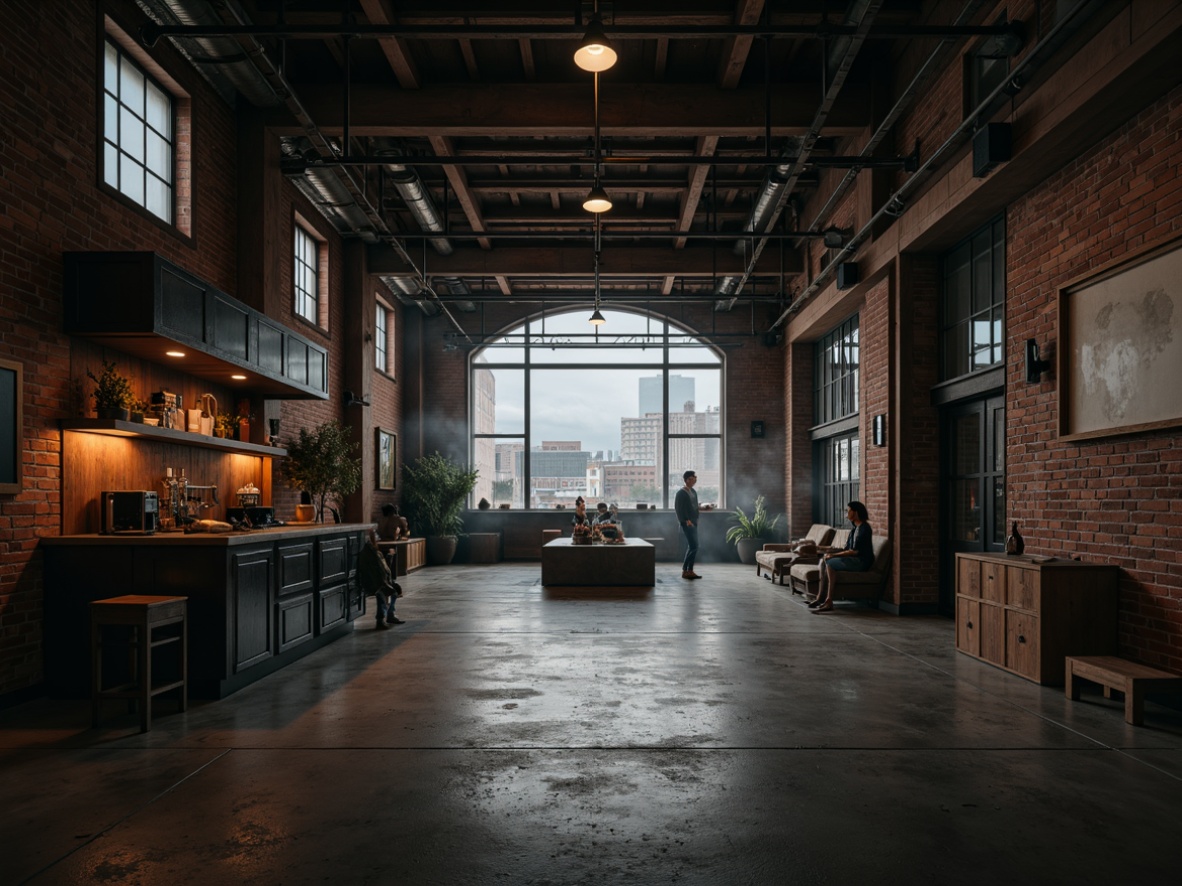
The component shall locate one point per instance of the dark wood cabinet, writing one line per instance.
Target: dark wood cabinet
(257, 601)
(135, 301)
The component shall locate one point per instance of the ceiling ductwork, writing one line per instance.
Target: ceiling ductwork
(220, 60)
(415, 195)
(324, 189)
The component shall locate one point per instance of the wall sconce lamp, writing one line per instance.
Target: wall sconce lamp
(595, 53)
(1034, 366)
(880, 430)
(352, 399)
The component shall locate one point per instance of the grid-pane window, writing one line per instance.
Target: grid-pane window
(379, 339)
(836, 374)
(561, 410)
(306, 275)
(139, 142)
(837, 460)
(973, 303)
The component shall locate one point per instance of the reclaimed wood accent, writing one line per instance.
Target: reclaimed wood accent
(1026, 614)
(1117, 674)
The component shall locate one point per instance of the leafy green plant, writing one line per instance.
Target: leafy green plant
(758, 525)
(434, 489)
(112, 389)
(320, 463)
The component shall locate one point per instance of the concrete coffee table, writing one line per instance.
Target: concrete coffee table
(631, 564)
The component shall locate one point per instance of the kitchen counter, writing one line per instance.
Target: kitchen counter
(258, 600)
(214, 539)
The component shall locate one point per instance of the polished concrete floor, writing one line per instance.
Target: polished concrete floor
(700, 732)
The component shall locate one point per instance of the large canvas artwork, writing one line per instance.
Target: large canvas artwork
(1120, 347)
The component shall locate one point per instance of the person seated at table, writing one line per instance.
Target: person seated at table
(610, 525)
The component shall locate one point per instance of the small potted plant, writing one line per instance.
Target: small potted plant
(224, 425)
(749, 533)
(112, 394)
(138, 409)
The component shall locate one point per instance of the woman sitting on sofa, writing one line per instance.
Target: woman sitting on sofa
(858, 556)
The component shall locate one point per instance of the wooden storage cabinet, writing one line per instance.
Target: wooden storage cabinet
(1026, 616)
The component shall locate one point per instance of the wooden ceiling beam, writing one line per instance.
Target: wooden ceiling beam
(649, 110)
(707, 145)
(458, 177)
(736, 49)
(394, 48)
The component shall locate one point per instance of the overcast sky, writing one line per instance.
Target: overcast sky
(586, 403)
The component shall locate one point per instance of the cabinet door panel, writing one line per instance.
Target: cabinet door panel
(968, 625)
(296, 621)
(993, 582)
(296, 573)
(252, 573)
(1022, 588)
(1022, 643)
(968, 577)
(332, 606)
(334, 560)
(993, 634)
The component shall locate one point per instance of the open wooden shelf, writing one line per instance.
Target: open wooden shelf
(117, 428)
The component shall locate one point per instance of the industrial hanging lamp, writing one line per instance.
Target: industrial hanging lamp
(597, 200)
(595, 53)
(596, 319)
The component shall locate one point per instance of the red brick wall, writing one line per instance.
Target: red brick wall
(1114, 500)
(50, 203)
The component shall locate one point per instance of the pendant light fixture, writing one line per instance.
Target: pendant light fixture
(597, 200)
(595, 52)
(596, 319)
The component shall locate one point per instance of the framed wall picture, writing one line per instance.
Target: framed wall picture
(387, 460)
(11, 426)
(1120, 347)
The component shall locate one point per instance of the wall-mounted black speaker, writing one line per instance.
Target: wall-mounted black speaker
(1035, 366)
(992, 144)
(847, 275)
(772, 339)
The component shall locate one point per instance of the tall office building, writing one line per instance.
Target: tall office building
(681, 391)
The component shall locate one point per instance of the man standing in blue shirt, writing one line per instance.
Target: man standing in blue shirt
(685, 503)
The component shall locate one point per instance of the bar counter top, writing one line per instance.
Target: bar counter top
(210, 539)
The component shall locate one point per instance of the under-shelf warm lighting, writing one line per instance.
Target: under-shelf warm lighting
(597, 200)
(595, 53)
(238, 377)
(174, 353)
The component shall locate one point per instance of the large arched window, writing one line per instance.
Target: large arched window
(560, 409)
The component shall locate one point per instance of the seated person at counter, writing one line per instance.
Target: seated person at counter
(392, 526)
(373, 572)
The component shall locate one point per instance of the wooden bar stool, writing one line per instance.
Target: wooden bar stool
(143, 614)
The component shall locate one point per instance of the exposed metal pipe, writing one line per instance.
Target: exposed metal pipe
(821, 31)
(415, 195)
(781, 181)
(220, 60)
(896, 203)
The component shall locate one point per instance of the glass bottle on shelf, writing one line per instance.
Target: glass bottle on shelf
(1014, 544)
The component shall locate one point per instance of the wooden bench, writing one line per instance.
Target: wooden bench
(1120, 675)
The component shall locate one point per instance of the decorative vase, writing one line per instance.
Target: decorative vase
(1014, 544)
(305, 513)
(747, 548)
(441, 549)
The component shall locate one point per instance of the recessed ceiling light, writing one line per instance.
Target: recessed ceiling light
(175, 353)
(238, 377)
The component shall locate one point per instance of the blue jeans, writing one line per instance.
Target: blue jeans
(691, 547)
(384, 598)
(838, 564)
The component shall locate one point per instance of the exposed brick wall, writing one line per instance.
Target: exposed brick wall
(798, 453)
(50, 203)
(913, 431)
(1114, 500)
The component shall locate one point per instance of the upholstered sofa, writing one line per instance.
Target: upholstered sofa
(806, 577)
(777, 557)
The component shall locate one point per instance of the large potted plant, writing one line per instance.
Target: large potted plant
(320, 463)
(749, 533)
(112, 393)
(434, 490)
